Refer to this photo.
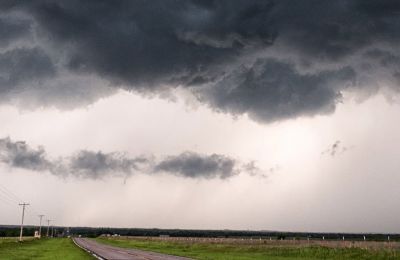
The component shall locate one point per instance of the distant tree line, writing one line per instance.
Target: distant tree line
(11, 231)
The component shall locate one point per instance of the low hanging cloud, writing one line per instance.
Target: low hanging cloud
(97, 165)
(194, 165)
(20, 155)
(271, 60)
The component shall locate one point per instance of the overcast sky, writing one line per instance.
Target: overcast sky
(264, 115)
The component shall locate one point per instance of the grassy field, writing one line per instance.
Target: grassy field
(242, 251)
(44, 249)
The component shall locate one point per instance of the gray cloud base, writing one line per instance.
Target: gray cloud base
(270, 90)
(193, 165)
(97, 165)
(272, 60)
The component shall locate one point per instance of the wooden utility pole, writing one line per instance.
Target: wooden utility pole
(40, 225)
(48, 225)
(22, 221)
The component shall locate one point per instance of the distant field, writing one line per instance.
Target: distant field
(236, 249)
(44, 249)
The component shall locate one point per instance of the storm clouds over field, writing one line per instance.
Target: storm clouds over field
(271, 60)
(212, 99)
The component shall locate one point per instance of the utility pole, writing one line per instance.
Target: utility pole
(40, 225)
(52, 230)
(48, 225)
(22, 221)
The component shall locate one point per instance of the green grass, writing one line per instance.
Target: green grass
(247, 252)
(44, 249)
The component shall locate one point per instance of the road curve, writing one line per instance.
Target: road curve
(107, 252)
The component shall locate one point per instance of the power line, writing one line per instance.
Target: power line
(9, 193)
(7, 201)
(12, 196)
(32, 211)
(14, 199)
(7, 196)
(11, 199)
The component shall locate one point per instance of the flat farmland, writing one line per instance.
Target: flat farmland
(243, 249)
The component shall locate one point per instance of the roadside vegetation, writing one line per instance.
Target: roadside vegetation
(43, 249)
(240, 251)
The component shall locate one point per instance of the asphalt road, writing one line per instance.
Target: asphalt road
(113, 253)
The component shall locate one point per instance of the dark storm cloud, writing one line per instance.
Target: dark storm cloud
(269, 90)
(384, 57)
(20, 155)
(12, 30)
(145, 44)
(270, 59)
(195, 165)
(96, 165)
(23, 65)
